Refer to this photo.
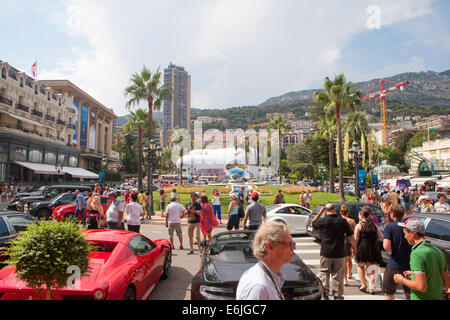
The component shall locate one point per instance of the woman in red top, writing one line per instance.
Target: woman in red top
(208, 220)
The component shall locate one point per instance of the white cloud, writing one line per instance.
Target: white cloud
(237, 52)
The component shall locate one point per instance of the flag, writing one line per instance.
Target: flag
(34, 69)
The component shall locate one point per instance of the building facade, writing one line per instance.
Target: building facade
(177, 110)
(36, 128)
(93, 124)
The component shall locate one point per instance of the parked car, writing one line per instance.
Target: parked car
(437, 231)
(293, 215)
(35, 191)
(11, 223)
(67, 211)
(310, 183)
(122, 266)
(50, 192)
(230, 254)
(43, 209)
(353, 208)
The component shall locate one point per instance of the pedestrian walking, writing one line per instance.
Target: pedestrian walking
(255, 213)
(347, 245)
(134, 211)
(394, 196)
(428, 274)
(162, 201)
(240, 200)
(365, 197)
(405, 200)
(174, 193)
(126, 195)
(394, 241)
(80, 206)
(208, 220)
(174, 212)
(193, 211)
(441, 206)
(114, 214)
(233, 213)
(367, 235)
(279, 197)
(216, 205)
(107, 190)
(273, 247)
(333, 231)
(385, 207)
(95, 213)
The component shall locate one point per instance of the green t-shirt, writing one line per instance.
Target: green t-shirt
(427, 259)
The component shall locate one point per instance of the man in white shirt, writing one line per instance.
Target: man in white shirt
(174, 211)
(273, 246)
(134, 212)
(441, 206)
(114, 214)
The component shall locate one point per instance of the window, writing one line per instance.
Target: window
(50, 158)
(53, 192)
(3, 228)
(18, 154)
(73, 161)
(297, 210)
(140, 245)
(35, 156)
(19, 222)
(438, 229)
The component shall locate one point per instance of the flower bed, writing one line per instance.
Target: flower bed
(184, 190)
(298, 189)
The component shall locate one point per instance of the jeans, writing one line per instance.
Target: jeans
(113, 226)
(80, 212)
(217, 209)
(134, 228)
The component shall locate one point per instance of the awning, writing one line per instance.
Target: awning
(38, 168)
(422, 180)
(27, 120)
(80, 173)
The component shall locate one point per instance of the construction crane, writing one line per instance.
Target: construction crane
(383, 104)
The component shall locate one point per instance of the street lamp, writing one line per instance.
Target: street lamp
(152, 153)
(104, 164)
(355, 154)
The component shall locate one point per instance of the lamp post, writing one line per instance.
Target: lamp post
(104, 165)
(152, 153)
(355, 154)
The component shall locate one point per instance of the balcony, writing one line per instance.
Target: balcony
(61, 122)
(37, 113)
(22, 107)
(49, 117)
(6, 101)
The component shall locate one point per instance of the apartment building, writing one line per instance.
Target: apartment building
(176, 111)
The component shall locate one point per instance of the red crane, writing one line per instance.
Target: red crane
(383, 105)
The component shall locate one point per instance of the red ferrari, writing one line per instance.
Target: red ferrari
(123, 266)
(67, 211)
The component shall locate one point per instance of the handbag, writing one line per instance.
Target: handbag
(102, 223)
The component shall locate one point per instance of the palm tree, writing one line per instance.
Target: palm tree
(338, 95)
(327, 129)
(137, 121)
(282, 127)
(146, 87)
(357, 125)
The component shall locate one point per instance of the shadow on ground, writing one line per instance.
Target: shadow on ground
(175, 287)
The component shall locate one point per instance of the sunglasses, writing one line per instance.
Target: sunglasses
(290, 244)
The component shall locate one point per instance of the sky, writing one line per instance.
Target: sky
(238, 52)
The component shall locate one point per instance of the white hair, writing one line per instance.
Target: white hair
(267, 232)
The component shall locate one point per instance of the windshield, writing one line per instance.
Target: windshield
(232, 242)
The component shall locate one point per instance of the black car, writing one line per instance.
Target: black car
(230, 254)
(44, 209)
(437, 231)
(353, 208)
(35, 191)
(51, 192)
(11, 223)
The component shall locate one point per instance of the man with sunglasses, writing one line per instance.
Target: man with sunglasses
(333, 231)
(273, 247)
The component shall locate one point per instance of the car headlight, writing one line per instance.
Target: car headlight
(217, 293)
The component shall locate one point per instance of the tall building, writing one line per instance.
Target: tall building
(176, 111)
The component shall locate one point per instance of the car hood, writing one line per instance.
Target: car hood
(219, 271)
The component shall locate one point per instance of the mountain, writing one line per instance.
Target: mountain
(425, 88)
(157, 116)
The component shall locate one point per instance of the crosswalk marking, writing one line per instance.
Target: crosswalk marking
(306, 251)
(311, 262)
(306, 244)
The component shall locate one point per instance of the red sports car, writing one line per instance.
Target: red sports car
(67, 211)
(123, 266)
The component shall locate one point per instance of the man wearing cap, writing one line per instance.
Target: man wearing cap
(193, 211)
(114, 214)
(255, 213)
(429, 270)
(174, 211)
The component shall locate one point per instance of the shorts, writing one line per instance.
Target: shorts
(192, 227)
(233, 221)
(177, 228)
(389, 286)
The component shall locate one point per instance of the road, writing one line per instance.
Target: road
(178, 285)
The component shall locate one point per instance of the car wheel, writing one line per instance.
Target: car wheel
(43, 214)
(129, 294)
(167, 265)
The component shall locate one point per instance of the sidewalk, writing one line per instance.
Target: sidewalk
(158, 220)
